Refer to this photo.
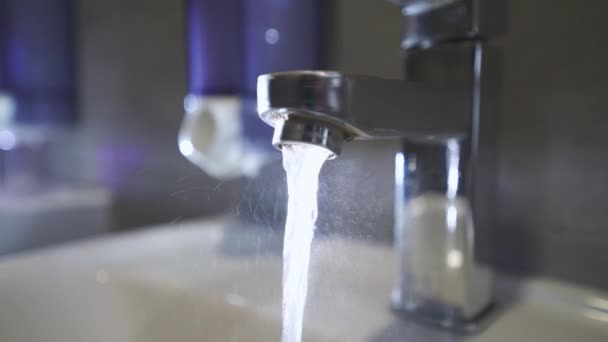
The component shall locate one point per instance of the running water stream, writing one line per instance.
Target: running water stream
(302, 165)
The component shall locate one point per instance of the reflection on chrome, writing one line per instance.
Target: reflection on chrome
(451, 218)
(454, 259)
(453, 158)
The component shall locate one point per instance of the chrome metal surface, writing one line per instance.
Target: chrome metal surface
(445, 112)
(430, 22)
(444, 192)
(301, 131)
(440, 272)
(363, 107)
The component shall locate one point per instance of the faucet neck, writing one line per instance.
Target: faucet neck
(431, 22)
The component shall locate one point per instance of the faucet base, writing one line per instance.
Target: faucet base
(442, 316)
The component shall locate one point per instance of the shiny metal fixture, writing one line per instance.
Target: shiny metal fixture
(444, 111)
(294, 131)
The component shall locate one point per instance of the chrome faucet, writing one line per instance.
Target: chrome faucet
(444, 111)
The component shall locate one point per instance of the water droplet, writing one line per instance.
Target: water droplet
(272, 36)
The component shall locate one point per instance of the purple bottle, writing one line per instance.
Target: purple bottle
(280, 35)
(214, 35)
(37, 61)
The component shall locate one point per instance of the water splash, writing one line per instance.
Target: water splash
(302, 165)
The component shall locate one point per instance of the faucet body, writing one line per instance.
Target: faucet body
(445, 112)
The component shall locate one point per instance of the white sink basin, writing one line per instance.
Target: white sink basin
(209, 282)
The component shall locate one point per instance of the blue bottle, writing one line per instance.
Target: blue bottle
(280, 35)
(37, 61)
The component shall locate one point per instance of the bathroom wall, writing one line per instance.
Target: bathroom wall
(554, 150)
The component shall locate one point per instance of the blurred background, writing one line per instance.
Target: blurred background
(90, 117)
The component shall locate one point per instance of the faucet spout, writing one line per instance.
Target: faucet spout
(295, 130)
(324, 108)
